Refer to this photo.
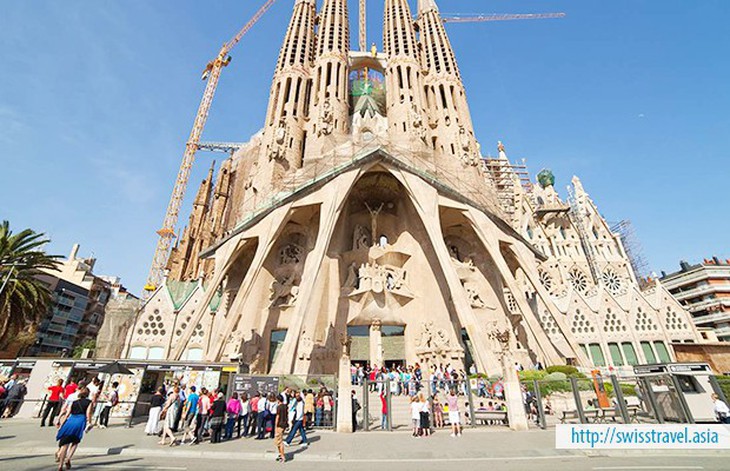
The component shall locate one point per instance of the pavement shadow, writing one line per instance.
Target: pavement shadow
(76, 465)
(5, 437)
(117, 450)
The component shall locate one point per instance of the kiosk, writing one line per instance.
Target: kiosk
(683, 391)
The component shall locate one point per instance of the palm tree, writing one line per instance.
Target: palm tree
(24, 298)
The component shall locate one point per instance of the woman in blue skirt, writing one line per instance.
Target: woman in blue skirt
(74, 421)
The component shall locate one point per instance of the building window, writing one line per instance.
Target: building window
(615, 354)
(662, 352)
(585, 350)
(597, 354)
(648, 352)
(630, 353)
(156, 353)
(277, 341)
(138, 353)
(194, 354)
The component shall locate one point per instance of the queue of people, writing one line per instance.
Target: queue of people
(188, 416)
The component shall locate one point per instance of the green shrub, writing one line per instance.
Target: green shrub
(567, 369)
(556, 376)
(724, 382)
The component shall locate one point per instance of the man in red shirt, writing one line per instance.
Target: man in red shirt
(54, 402)
(71, 388)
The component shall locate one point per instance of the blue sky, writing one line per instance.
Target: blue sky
(97, 98)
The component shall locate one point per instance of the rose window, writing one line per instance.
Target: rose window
(546, 280)
(578, 280)
(611, 281)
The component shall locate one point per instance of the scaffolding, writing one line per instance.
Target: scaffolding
(506, 177)
(632, 247)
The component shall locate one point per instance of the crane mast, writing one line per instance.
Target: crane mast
(363, 26)
(211, 74)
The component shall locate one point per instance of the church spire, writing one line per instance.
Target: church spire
(445, 95)
(403, 75)
(331, 106)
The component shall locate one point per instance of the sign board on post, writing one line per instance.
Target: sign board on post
(253, 384)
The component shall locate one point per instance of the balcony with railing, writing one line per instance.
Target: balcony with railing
(701, 290)
(713, 318)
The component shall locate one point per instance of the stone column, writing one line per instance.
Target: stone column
(376, 344)
(344, 388)
(512, 390)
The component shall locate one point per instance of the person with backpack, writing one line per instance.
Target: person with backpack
(111, 402)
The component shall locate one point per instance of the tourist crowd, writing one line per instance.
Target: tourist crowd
(182, 415)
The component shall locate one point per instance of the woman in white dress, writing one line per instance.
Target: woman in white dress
(153, 421)
(169, 411)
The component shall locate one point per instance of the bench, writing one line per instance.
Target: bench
(591, 415)
(609, 413)
(490, 417)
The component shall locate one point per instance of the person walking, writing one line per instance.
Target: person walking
(203, 410)
(416, 408)
(190, 412)
(243, 416)
(355, 408)
(722, 412)
(425, 415)
(454, 416)
(111, 402)
(298, 423)
(217, 416)
(309, 409)
(383, 411)
(153, 421)
(233, 409)
(53, 406)
(178, 416)
(74, 421)
(169, 411)
(438, 412)
(253, 415)
(281, 426)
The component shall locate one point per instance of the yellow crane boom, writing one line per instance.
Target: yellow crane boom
(212, 74)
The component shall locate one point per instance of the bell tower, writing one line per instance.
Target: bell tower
(330, 97)
(449, 117)
(289, 99)
(406, 118)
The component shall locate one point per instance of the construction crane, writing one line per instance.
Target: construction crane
(363, 26)
(212, 74)
(501, 17)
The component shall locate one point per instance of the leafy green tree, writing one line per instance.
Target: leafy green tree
(24, 298)
(79, 349)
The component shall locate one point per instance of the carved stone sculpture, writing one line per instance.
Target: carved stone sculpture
(360, 238)
(277, 148)
(326, 119)
(419, 130)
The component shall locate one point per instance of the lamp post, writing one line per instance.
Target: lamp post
(517, 417)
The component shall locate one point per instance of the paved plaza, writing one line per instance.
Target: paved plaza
(26, 446)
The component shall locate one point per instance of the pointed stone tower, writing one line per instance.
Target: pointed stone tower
(406, 117)
(184, 261)
(330, 100)
(288, 109)
(449, 117)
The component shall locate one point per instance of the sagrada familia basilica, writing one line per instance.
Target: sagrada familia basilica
(365, 210)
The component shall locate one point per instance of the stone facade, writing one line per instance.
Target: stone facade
(365, 208)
